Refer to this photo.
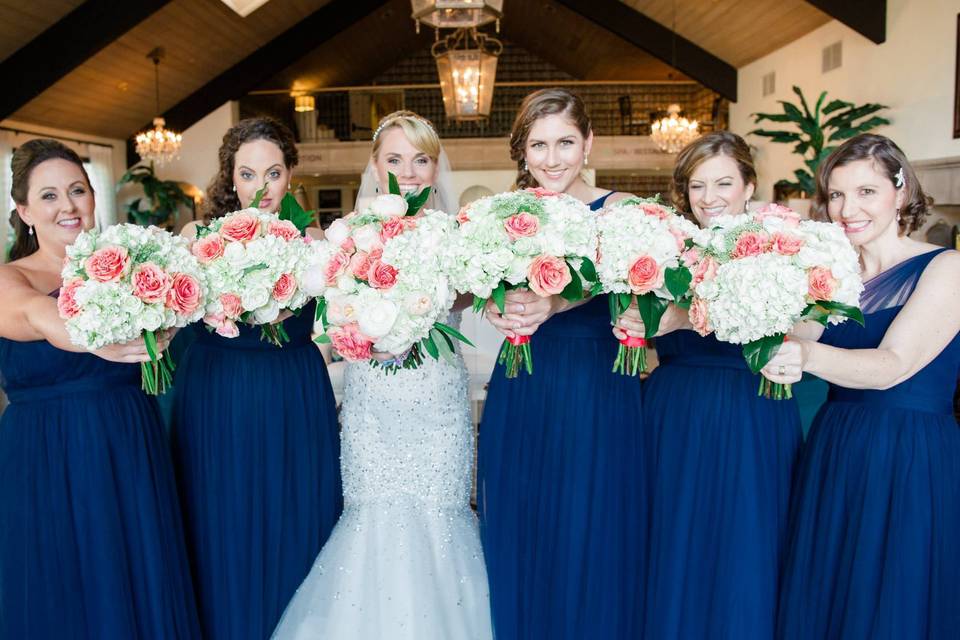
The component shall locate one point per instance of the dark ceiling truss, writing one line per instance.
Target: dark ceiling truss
(866, 17)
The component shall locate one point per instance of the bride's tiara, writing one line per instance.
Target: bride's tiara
(389, 122)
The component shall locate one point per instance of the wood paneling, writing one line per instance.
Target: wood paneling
(21, 22)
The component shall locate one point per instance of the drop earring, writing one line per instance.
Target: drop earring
(586, 159)
(525, 167)
(234, 188)
(30, 230)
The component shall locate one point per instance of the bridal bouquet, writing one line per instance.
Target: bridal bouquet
(640, 257)
(533, 239)
(129, 281)
(756, 275)
(383, 283)
(254, 263)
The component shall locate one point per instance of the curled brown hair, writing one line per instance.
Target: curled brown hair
(715, 143)
(538, 104)
(25, 159)
(889, 160)
(221, 197)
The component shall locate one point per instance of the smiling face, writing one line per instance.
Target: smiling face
(863, 201)
(397, 155)
(256, 163)
(555, 152)
(716, 188)
(59, 205)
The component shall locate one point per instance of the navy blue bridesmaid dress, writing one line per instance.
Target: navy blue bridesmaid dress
(875, 522)
(257, 453)
(91, 541)
(721, 462)
(560, 487)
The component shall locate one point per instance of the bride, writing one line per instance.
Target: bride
(404, 561)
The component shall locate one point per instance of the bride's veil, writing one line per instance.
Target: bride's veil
(442, 196)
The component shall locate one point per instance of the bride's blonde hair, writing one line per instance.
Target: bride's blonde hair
(419, 132)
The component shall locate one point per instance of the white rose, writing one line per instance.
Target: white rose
(337, 232)
(150, 319)
(390, 205)
(313, 281)
(255, 297)
(377, 318)
(366, 237)
(267, 313)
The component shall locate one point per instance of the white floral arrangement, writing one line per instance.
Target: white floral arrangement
(129, 281)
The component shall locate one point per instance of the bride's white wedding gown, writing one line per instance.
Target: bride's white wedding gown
(404, 561)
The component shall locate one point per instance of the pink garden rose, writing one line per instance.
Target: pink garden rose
(241, 227)
(690, 257)
(284, 287)
(706, 269)
(521, 225)
(348, 246)
(462, 217)
(548, 275)
(786, 244)
(381, 275)
(109, 264)
(232, 306)
(336, 267)
(698, 316)
(150, 282)
(207, 248)
(361, 261)
(391, 228)
(222, 325)
(645, 275)
(67, 300)
(184, 294)
(350, 343)
(680, 237)
(821, 283)
(540, 192)
(654, 210)
(774, 210)
(283, 229)
(749, 244)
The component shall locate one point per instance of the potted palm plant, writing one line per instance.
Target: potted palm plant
(816, 130)
(161, 201)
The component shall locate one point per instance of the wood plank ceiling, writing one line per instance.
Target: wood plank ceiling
(21, 22)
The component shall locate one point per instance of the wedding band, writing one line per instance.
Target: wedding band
(782, 370)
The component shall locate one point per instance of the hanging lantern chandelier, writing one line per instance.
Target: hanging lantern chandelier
(158, 145)
(467, 66)
(673, 132)
(456, 14)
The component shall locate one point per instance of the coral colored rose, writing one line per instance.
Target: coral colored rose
(774, 210)
(284, 287)
(521, 225)
(241, 227)
(232, 306)
(645, 275)
(109, 264)
(67, 300)
(462, 216)
(655, 210)
(336, 267)
(749, 244)
(228, 329)
(540, 192)
(207, 248)
(548, 275)
(698, 316)
(690, 257)
(706, 269)
(348, 246)
(821, 283)
(350, 343)
(786, 244)
(381, 275)
(391, 228)
(150, 283)
(283, 229)
(184, 294)
(360, 265)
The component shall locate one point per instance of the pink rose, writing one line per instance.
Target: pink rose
(184, 294)
(241, 227)
(786, 244)
(698, 316)
(67, 300)
(540, 192)
(690, 257)
(284, 287)
(109, 264)
(348, 246)
(774, 210)
(645, 275)
(749, 244)
(680, 237)
(208, 248)
(336, 267)
(350, 343)
(706, 269)
(655, 210)
(360, 265)
(150, 282)
(548, 275)
(381, 275)
(228, 329)
(462, 216)
(232, 306)
(283, 229)
(391, 228)
(821, 283)
(521, 225)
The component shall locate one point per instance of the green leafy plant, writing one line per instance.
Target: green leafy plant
(817, 131)
(160, 204)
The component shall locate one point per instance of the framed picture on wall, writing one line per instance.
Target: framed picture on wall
(956, 86)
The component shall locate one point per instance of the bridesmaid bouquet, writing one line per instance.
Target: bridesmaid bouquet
(641, 257)
(756, 275)
(129, 281)
(531, 239)
(383, 283)
(254, 263)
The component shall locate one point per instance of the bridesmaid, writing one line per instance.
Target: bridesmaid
(560, 464)
(255, 436)
(91, 543)
(721, 457)
(875, 521)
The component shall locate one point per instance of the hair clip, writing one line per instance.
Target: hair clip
(899, 178)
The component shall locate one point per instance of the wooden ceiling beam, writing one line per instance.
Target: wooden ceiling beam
(866, 17)
(66, 45)
(659, 41)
